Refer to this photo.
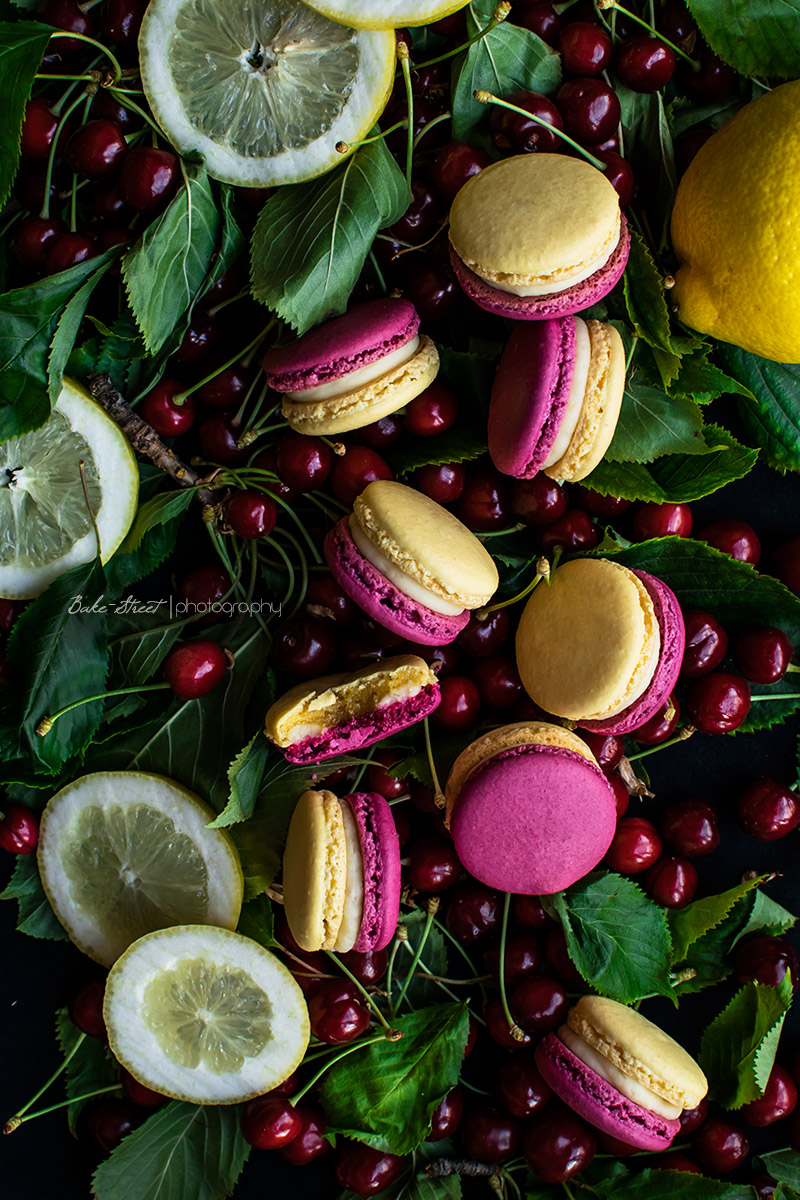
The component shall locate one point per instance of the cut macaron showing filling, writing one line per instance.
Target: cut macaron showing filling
(538, 236)
(530, 810)
(602, 645)
(353, 369)
(341, 872)
(556, 398)
(621, 1073)
(410, 564)
(340, 714)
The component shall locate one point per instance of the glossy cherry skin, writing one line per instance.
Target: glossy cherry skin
(149, 177)
(718, 703)
(661, 726)
(200, 340)
(519, 1087)
(269, 1122)
(304, 463)
(325, 598)
(357, 468)
(366, 1171)
(720, 1145)
(529, 912)
(644, 64)
(558, 1145)
(432, 412)
(38, 130)
(488, 1134)
(484, 635)
(433, 866)
(111, 1120)
(541, 18)
(735, 538)
(778, 1101)
(310, 1142)
(454, 164)
(768, 810)
(606, 748)
(194, 669)
(473, 912)
(447, 1115)
(86, 1009)
(516, 134)
(96, 149)
(691, 828)
(573, 531)
(251, 514)
(585, 48)
(498, 1028)
(692, 1118)
(636, 846)
(590, 110)
(337, 1012)
(712, 81)
(33, 236)
(763, 654)
(483, 505)
(443, 482)
(498, 681)
(671, 882)
(159, 409)
(764, 959)
(619, 174)
(459, 705)
(380, 779)
(596, 503)
(67, 250)
(19, 828)
(706, 643)
(138, 1094)
(432, 289)
(661, 520)
(219, 441)
(70, 17)
(538, 501)
(523, 956)
(539, 1005)
(305, 646)
(421, 217)
(622, 797)
(226, 390)
(120, 21)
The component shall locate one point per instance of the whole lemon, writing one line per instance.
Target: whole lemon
(736, 230)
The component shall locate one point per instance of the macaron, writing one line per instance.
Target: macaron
(601, 645)
(556, 398)
(530, 810)
(353, 369)
(410, 564)
(340, 714)
(538, 236)
(621, 1073)
(341, 872)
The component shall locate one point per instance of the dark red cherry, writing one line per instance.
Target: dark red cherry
(574, 530)
(226, 390)
(692, 1118)
(735, 538)
(382, 433)
(454, 164)
(194, 669)
(304, 463)
(200, 340)
(38, 130)
(473, 912)
(498, 681)
(784, 561)
(622, 797)
(691, 827)
(86, 1009)
(369, 968)
(718, 703)
(459, 705)
(557, 954)
(484, 635)
(159, 409)
(706, 643)
(778, 1101)
(304, 646)
(539, 1005)
(366, 1171)
(269, 1122)
(483, 504)
(590, 110)
(661, 520)
(67, 250)
(558, 1146)
(433, 865)
(432, 289)
(660, 726)
(96, 148)
(671, 882)
(325, 598)
(529, 912)
(310, 1142)
(635, 847)
(108, 203)
(29, 187)
(432, 412)
(541, 18)
(149, 177)
(138, 1094)
(768, 810)
(607, 749)
(443, 482)
(251, 514)
(120, 21)
(764, 959)
(447, 1115)
(644, 64)
(709, 82)
(9, 611)
(357, 468)
(517, 134)
(619, 174)
(585, 48)
(687, 144)
(109, 1120)
(538, 501)
(763, 654)
(721, 1145)
(110, 108)
(488, 1134)
(421, 217)
(33, 237)
(219, 441)
(523, 956)
(519, 1087)
(674, 20)
(337, 1011)
(68, 16)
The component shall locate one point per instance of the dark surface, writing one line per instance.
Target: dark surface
(42, 1160)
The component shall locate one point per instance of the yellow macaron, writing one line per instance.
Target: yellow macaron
(315, 871)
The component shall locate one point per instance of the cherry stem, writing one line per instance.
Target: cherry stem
(131, 104)
(181, 397)
(405, 66)
(272, 477)
(499, 15)
(645, 25)
(438, 980)
(433, 908)
(445, 116)
(398, 938)
(489, 98)
(303, 569)
(777, 696)
(16, 1120)
(347, 147)
(363, 768)
(514, 1029)
(46, 724)
(438, 794)
(298, 1096)
(542, 572)
(82, 37)
(48, 176)
(685, 733)
(792, 667)
(369, 999)
(443, 929)
(245, 291)
(378, 272)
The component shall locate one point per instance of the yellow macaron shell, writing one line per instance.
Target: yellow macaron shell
(602, 402)
(426, 543)
(353, 908)
(315, 871)
(639, 1049)
(535, 219)
(587, 644)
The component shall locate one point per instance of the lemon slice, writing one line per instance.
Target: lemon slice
(45, 528)
(386, 14)
(205, 1015)
(265, 90)
(122, 853)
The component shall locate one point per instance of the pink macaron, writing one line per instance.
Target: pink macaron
(380, 853)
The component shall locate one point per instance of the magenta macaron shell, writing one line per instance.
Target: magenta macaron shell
(673, 639)
(363, 335)
(598, 1102)
(380, 599)
(529, 395)
(533, 819)
(558, 304)
(380, 853)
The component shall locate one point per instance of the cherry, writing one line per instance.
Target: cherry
(635, 847)
(38, 130)
(590, 109)
(366, 1171)
(454, 164)
(304, 463)
(483, 505)
(459, 705)
(498, 681)
(310, 1142)
(785, 562)
(325, 598)
(520, 135)
(557, 955)
(498, 1028)
(203, 588)
(735, 538)
(420, 218)
(595, 502)
(432, 412)
(96, 148)
(357, 468)
(33, 237)
(519, 1087)
(443, 482)
(622, 797)
(706, 643)
(660, 726)
(219, 441)
(541, 18)
(432, 289)
(120, 21)
(529, 912)
(201, 338)
(19, 828)
(148, 178)
(644, 64)
(195, 668)
(763, 654)
(585, 48)
(619, 174)
(606, 748)
(676, 22)
(110, 1120)
(68, 16)
(484, 635)
(768, 810)
(379, 778)
(763, 1186)
(473, 912)
(692, 1118)
(691, 827)
(159, 409)
(337, 1011)
(764, 959)
(369, 968)
(558, 1146)
(539, 1005)
(488, 1134)
(778, 1101)
(671, 882)
(251, 514)
(523, 956)
(425, 111)
(67, 250)
(304, 646)
(433, 866)
(538, 501)
(718, 703)
(137, 1093)
(574, 530)
(225, 390)
(447, 1115)
(86, 1009)
(675, 1162)
(711, 81)
(108, 203)
(270, 1121)
(29, 187)
(381, 433)
(110, 108)
(721, 1145)
(661, 520)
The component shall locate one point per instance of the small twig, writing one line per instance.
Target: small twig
(440, 1168)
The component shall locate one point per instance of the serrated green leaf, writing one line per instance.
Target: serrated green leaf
(757, 37)
(159, 510)
(141, 642)
(772, 413)
(123, 570)
(688, 925)
(22, 44)
(385, 1094)
(35, 916)
(783, 1165)
(652, 424)
(312, 239)
(257, 921)
(644, 296)
(89, 1069)
(784, 1192)
(245, 776)
(737, 1049)
(672, 1185)
(232, 241)
(421, 990)
(67, 330)
(182, 1150)
(702, 381)
(648, 142)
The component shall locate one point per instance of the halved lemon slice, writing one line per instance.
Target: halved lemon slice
(45, 527)
(263, 90)
(122, 853)
(205, 1015)
(386, 14)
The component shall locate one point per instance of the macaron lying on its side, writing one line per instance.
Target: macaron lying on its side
(353, 369)
(341, 872)
(410, 564)
(556, 398)
(601, 645)
(538, 236)
(621, 1073)
(340, 714)
(530, 810)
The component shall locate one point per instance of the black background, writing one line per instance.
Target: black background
(42, 1160)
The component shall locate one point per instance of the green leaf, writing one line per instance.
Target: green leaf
(702, 381)
(648, 142)
(671, 1185)
(232, 242)
(156, 511)
(385, 1094)
(771, 408)
(90, 1068)
(245, 775)
(35, 916)
(783, 1165)
(688, 925)
(29, 317)
(784, 1192)
(22, 44)
(257, 921)
(66, 332)
(644, 296)
(312, 239)
(141, 643)
(757, 37)
(182, 1150)
(652, 424)
(617, 938)
(737, 1049)
(165, 270)
(420, 991)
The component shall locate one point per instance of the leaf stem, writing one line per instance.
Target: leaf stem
(443, 929)
(378, 272)
(517, 1034)
(128, 103)
(44, 726)
(777, 696)
(485, 97)
(363, 768)
(183, 396)
(369, 999)
(405, 67)
(298, 1096)
(433, 908)
(445, 116)
(18, 1115)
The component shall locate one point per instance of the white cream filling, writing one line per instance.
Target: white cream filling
(358, 378)
(354, 887)
(314, 729)
(561, 285)
(637, 692)
(630, 1088)
(577, 394)
(404, 583)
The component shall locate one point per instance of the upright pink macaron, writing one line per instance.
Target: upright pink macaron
(380, 852)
